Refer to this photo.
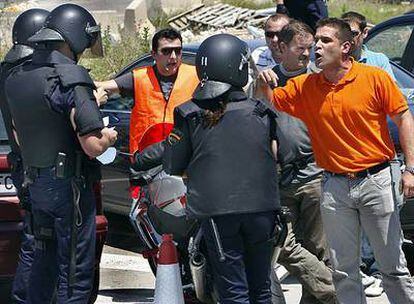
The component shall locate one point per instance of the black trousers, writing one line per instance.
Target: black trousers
(244, 276)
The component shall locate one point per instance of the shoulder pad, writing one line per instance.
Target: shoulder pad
(263, 108)
(18, 53)
(187, 109)
(72, 75)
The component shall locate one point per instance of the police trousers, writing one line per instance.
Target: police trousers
(52, 205)
(21, 278)
(244, 276)
(349, 204)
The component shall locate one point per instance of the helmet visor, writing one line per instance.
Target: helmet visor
(210, 89)
(46, 35)
(97, 47)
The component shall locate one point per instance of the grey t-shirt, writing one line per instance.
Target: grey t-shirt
(295, 154)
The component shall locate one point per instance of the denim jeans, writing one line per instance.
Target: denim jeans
(367, 254)
(349, 204)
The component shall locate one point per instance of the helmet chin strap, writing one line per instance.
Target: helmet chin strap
(76, 57)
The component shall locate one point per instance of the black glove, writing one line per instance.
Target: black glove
(149, 158)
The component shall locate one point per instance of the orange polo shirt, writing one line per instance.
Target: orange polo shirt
(346, 121)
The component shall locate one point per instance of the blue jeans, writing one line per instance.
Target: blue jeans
(349, 204)
(244, 277)
(52, 206)
(367, 254)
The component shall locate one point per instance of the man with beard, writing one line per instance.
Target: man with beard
(345, 107)
(156, 89)
(300, 179)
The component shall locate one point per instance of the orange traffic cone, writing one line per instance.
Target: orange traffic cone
(168, 287)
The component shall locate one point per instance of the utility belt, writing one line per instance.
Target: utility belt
(363, 173)
(65, 167)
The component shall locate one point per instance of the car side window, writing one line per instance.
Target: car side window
(119, 103)
(392, 41)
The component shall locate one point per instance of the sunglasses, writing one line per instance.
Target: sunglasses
(168, 50)
(271, 34)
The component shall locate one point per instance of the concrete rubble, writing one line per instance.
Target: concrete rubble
(196, 19)
(201, 21)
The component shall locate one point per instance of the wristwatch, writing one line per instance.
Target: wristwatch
(409, 169)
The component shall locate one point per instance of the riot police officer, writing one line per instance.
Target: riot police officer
(57, 137)
(222, 141)
(25, 25)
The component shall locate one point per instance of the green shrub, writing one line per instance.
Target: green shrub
(117, 54)
(374, 11)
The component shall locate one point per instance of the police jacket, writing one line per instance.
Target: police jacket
(230, 166)
(41, 95)
(17, 55)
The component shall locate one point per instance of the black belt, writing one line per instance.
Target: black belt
(34, 172)
(364, 173)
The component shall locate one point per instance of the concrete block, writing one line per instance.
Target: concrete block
(135, 13)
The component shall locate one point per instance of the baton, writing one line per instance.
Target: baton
(217, 240)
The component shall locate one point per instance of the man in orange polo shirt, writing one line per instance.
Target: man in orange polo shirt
(344, 108)
(156, 89)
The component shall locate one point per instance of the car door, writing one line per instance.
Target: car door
(394, 38)
(115, 177)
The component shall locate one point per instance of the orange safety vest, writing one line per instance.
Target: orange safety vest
(152, 116)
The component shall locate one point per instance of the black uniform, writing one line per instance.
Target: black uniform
(308, 11)
(16, 56)
(51, 86)
(232, 178)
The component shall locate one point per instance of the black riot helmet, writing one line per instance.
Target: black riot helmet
(74, 25)
(27, 24)
(221, 63)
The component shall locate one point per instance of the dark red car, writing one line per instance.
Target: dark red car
(11, 225)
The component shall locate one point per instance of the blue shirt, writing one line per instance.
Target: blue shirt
(376, 59)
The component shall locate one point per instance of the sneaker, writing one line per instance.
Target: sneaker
(367, 280)
(375, 289)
